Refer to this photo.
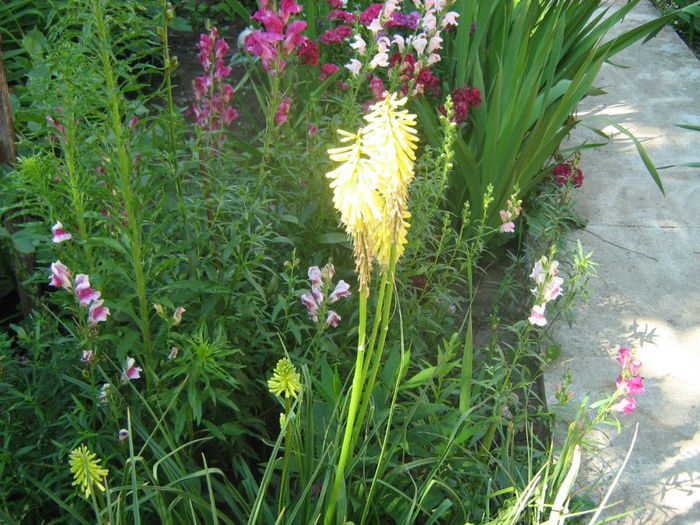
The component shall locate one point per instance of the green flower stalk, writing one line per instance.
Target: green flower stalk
(87, 470)
(284, 380)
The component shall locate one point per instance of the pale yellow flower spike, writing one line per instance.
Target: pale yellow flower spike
(284, 380)
(370, 188)
(390, 139)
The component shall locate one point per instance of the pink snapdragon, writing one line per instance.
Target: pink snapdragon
(177, 315)
(97, 313)
(83, 290)
(60, 276)
(332, 319)
(59, 233)
(508, 215)
(131, 371)
(266, 44)
(628, 383)
(211, 107)
(548, 288)
(282, 110)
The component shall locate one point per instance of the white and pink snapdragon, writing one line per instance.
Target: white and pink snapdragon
(548, 287)
(317, 300)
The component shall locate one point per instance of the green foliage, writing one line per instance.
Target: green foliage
(533, 62)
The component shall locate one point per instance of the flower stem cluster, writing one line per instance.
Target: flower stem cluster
(628, 383)
(281, 38)
(60, 276)
(512, 211)
(370, 187)
(547, 289)
(317, 300)
(211, 106)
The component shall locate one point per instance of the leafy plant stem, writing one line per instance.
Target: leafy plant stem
(125, 171)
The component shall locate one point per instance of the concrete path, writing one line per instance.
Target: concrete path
(647, 295)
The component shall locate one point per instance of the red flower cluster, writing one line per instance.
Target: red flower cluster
(342, 16)
(425, 82)
(370, 14)
(462, 98)
(335, 35)
(568, 173)
(327, 70)
(308, 52)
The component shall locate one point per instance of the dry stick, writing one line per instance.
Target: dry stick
(8, 155)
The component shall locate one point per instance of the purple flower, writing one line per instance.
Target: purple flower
(123, 435)
(59, 234)
(88, 356)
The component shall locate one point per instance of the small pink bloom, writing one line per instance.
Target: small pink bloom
(60, 276)
(173, 352)
(342, 289)
(631, 385)
(552, 289)
(508, 227)
(97, 313)
(375, 26)
(123, 435)
(628, 404)
(59, 234)
(177, 315)
(131, 371)
(311, 305)
(315, 275)
(328, 272)
(450, 19)
(537, 317)
(429, 22)
(627, 361)
(83, 290)
(332, 319)
(133, 121)
(452, 308)
(312, 129)
(419, 44)
(435, 43)
(538, 273)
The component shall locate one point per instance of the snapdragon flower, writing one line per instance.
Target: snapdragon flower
(59, 233)
(130, 371)
(97, 313)
(83, 290)
(548, 288)
(60, 276)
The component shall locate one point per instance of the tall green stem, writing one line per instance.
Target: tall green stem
(357, 384)
(287, 454)
(388, 284)
(125, 171)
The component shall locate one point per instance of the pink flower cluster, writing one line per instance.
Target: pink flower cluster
(316, 301)
(462, 98)
(60, 276)
(628, 383)
(281, 37)
(211, 107)
(548, 288)
(282, 110)
(510, 214)
(568, 173)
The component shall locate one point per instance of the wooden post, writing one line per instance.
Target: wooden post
(23, 264)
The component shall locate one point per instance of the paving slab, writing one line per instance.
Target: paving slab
(647, 295)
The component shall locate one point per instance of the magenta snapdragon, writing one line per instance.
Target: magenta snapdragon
(628, 383)
(212, 96)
